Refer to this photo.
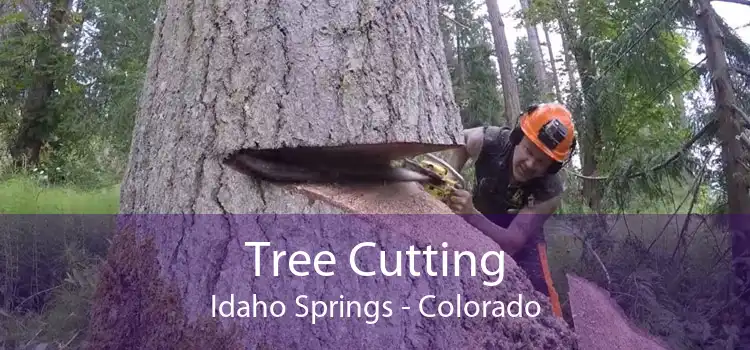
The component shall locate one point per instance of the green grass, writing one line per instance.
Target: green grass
(22, 195)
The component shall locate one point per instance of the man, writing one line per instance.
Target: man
(517, 185)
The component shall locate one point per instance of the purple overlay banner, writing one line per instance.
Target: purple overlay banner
(282, 274)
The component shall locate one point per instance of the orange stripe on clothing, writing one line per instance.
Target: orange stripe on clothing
(553, 297)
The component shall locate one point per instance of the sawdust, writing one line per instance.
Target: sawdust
(601, 324)
(405, 198)
(394, 198)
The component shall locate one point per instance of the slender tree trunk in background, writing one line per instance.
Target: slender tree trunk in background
(78, 30)
(508, 80)
(589, 135)
(536, 55)
(5, 9)
(448, 45)
(569, 68)
(37, 119)
(460, 70)
(590, 138)
(733, 156)
(679, 102)
(553, 64)
(230, 76)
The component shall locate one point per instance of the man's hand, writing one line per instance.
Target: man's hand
(461, 202)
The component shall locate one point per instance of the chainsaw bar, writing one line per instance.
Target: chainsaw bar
(350, 172)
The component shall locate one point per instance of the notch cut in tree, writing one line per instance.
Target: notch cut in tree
(226, 77)
(289, 74)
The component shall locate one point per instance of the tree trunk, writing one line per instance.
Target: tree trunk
(536, 56)
(584, 105)
(231, 76)
(553, 64)
(460, 70)
(569, 68)
(679, 103)
(510, 85)
(447, 42)
(38, 117)
(732, 155)
(366, 75)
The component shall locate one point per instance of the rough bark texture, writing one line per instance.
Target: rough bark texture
(601, 324)
(511, 99)
(228, 76)
(732, 157)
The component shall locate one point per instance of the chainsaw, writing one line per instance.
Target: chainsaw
(322, 165)
(444, 179)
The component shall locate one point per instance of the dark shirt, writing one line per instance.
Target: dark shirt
(494, 195)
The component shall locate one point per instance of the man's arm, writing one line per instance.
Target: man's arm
(473, 140)
(526, 224)
(530, 219)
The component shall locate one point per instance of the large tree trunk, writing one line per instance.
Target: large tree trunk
(228, 76)
(733, 156)
(508, 80)
(325, 77)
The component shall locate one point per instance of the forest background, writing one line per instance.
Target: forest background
(634, 72)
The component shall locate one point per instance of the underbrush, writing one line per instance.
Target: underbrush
(676, 288)
(48, 263)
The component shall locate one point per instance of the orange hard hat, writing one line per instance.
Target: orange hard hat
(550, 127)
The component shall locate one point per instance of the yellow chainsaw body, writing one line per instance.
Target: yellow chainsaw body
(441, 191)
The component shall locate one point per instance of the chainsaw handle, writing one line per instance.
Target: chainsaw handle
(453, 171)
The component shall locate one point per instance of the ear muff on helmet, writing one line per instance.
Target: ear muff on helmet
(557, 166)
(517, 135)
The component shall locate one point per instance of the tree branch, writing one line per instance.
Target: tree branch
(741, 71)
(454, 21)
(745, 118)
(741, 2)
(706, 129)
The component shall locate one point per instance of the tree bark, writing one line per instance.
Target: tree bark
(732, 155)
(230, 76)
(508, 80)
(285, 76)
